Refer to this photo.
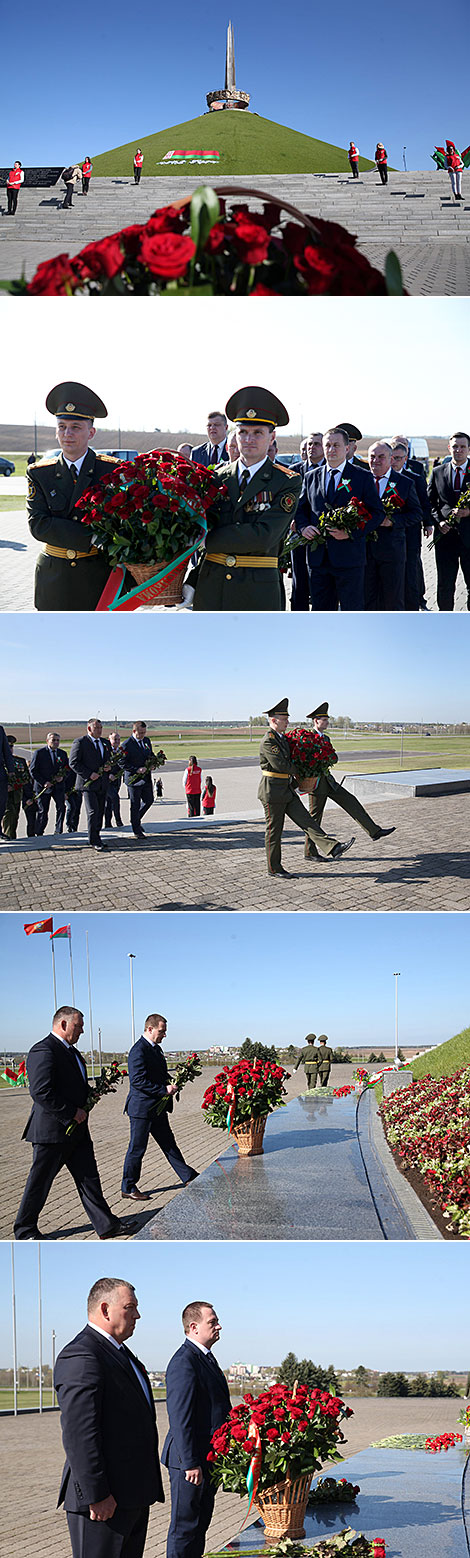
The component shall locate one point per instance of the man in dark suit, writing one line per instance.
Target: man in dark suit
(336, 568)
(386, 549)
(7, 766)
(198, 1402)
(240, 567)
(214, 452)
(47, 763)
(111, 1473)
(300, 597)
(415, 589)
(89, 755)
(452, 544)
(70, 573)
(58, 1084)
(137, 749)
(149, 1084)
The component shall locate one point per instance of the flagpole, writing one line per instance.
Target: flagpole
(71, 963)
(89, 1008)
(131, 956)
(53, 971)
(40, 1326)
(15, 1354)
(30, 737)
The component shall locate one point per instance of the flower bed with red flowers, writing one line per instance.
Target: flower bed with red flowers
(197, 248)
(292, 1432)
(150, 509)
(246, 1090)
(442, 1442)
(311, 752)
(428, 1127)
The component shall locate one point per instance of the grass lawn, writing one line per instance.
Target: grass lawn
(7, 505)
(19, 463)
(246, 143)
(446, 1058)
(30, 1398)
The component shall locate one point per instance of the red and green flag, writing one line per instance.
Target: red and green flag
(38, 927)
(64, 930)
(190, 156)
(10, 1076)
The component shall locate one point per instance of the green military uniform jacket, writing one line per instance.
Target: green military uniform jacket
(309, 1058)
(64, 584)
(275, 758)
(20, 790)
(325, 1055)
(252, 523)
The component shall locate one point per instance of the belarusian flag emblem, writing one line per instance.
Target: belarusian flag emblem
(190, 156)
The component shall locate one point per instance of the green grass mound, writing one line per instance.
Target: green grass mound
(247, 144)
(446, 1058)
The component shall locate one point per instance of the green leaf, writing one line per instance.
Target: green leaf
(205, 212)
(393, 275)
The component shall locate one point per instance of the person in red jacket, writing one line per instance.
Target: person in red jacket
(353, 155)
(14, 182)
(138, 161)
(192, 782)
(208, 798)
(454, 167)
(381, 161)
(87, 167)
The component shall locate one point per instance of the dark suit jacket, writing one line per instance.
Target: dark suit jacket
(108, 1427)
(134, 756)
(198, 1402)
(422, 494)
(52, 496)
(388, 541)
(43, 769)
(58, 1088)
(201, 454)
(7, 766)
(148, 1078)
(443, 499)
(85, 760)
(341, 554)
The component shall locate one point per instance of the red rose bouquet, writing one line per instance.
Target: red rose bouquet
(352, 519)
(281, 1433)
(156, 760)
(454, 518)
(107, 1082)
(247, 1090)
(328, 1491)
(195, 247)
(311, 752)
(147, 516)
(186, 1071)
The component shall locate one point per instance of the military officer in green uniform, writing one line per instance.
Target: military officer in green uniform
(277, 793)
(70, 572)
(308, 1058)
(328, 789)
(239, 570)
(20, 794)
(324, 1059)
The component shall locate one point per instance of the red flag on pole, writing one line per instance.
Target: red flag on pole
(38, 926)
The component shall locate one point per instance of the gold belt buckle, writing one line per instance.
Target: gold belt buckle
(71, 556)
(230, 561)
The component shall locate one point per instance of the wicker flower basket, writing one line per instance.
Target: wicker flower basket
(283, 1508)
(307, 786)
(169, 591)
(249, 1136)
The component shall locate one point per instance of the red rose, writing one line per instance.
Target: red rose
(130, 238)
(272, 1434)
(217, 237)
(167, 254)
(285, 1438)
(250, 240)
(239, 1433)
(103, 258)
(53, 278)
(165, 220)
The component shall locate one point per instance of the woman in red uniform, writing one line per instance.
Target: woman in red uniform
(208, 797)
(353, 155)
(138, 161)
(192, 778)
(86, 175)
(14, 182)
(381, 161)
(454, 167)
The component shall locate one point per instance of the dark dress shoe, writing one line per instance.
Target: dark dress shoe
(341, 849)
(112, 1232)
(135, 1195)
(281, 872)
(193, 1175)
(382, 834)
(140, 835)
(100, 847)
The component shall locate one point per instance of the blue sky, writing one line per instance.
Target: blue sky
(369, 667)
(382, 1305)
(352, 72)
(388, 364)
(273, 978)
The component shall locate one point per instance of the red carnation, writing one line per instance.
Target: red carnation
(167, 254)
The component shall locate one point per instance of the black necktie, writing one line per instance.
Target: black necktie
(214, 454)
(73, 472)
(244, 481)
(331, 488)
(457, 480)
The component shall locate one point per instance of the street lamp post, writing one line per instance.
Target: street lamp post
(396, 978)
(131, 956)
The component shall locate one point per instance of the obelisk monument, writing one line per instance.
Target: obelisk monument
(228, 96)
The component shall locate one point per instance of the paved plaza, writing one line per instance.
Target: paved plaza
(414, 214)
(31, 1460)
(19, 551)
(221, 865)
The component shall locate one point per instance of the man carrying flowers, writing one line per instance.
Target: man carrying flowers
(138, 763)
(326, 788)
(336, 556)
(70, 572)
(240, 570)
(277, 793)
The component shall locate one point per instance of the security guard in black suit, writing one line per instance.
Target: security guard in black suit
(70, 573)
(239, 570)
(277, 793)
(137, 749)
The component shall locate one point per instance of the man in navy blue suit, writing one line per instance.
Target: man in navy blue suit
(46, 763)
(90, 759)
(415, 588)
(7, 766)
(386, 550)
(111, 1473)
(198, 1402)
(58, 1084)
(136, 751)
(300, 597)
(336, 568)
(149, 1083)
(214, 452)
(447, 483)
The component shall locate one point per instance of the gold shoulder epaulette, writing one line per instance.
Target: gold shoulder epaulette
(39, 465)
(286, 470)
(110, 458)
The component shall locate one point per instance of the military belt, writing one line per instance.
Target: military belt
(230, 561)
(69, 555)
(267, 773)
